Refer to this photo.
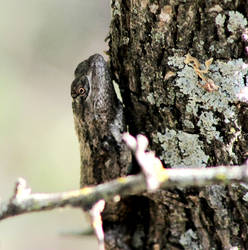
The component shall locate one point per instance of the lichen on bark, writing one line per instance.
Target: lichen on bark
(187, 125)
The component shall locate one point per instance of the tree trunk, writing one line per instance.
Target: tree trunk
(189, 112)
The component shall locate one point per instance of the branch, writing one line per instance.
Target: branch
(157, 176)
(24, 201)
(92, 199)
(154, 176)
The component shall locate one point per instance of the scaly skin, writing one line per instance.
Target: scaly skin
(99, 123)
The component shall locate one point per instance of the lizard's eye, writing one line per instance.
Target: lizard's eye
(80, 88)
(81, 91)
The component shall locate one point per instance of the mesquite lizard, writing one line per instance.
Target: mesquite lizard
(99, 123)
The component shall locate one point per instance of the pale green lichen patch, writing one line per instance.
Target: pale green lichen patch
(220, 20)
(189, 240)
(201, 111)
(207, 123)
(229, 77)
(176, 61)
(181, 149)
(151, 99)
(188, 124)
(188, 81)
(236, 21)
(236, 70)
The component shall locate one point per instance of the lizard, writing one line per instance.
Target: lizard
(99, 123)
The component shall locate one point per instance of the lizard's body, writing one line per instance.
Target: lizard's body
(98, 116)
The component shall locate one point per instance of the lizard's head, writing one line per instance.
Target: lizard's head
(80, 93)
(92, 91)
(89, 76)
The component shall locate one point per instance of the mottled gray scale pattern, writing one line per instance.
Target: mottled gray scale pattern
(99, 123)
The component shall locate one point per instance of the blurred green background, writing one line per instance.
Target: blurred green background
(41, 43)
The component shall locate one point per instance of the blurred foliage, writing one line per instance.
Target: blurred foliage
(41, 43)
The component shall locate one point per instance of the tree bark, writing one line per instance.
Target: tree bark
(191, 115)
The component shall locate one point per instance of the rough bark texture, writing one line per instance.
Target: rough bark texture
(99, 123)
(187, 125)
